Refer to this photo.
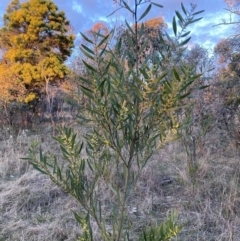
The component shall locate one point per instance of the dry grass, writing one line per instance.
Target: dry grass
(32, 208)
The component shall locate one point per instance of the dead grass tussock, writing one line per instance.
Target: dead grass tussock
(210, 209)
(31, 206)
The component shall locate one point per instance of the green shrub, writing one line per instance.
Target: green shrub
(130, 114)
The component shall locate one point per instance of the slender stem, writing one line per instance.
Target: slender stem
(136, 35)
(122, 212)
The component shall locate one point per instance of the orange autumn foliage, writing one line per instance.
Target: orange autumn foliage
(100, 27)
(154, 23)
(34, 46)
(11, 89)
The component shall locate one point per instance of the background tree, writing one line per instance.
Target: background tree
(35, 41)
(11, 91)
(228, 77)
(228, 51)
(233, 9)
(198, 57)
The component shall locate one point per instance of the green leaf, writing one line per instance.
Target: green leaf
(203, 87)
(195, 20)
(127, 7)
(144, 73)
(129, 27)
(59, 174)
(100, 210)
(78, 218)
(37, 167)
(89, 66)
(64, 150)
(87, 54)
(184, 42)
(199, 12)
(82, 166)
(161, 76)
(141, 32)
(143, 47)
(176, 75)
(167, 87)
(162, 41)
(174, 24)
(183, 8)
(113, 12)
(40, 154)
(145, 12)
(187, 84)
(87, 92)
(103, 51)
(87, 49)
(87, 81)
(185, 34)
(195, 77)
(106, 70)
(89, 165)
(119, 45)
(131, 58)
(103, 40)
(157, 5)
(108, 87)
(101, 86)
(183, 96)
(180, 17)
(209, 70)
(86, 38)
(169, 38)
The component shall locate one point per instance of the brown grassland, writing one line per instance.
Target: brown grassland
(208, 202)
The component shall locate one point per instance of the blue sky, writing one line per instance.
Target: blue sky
(84, 13)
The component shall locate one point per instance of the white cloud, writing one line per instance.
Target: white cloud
(207, 32)
(77, 7)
